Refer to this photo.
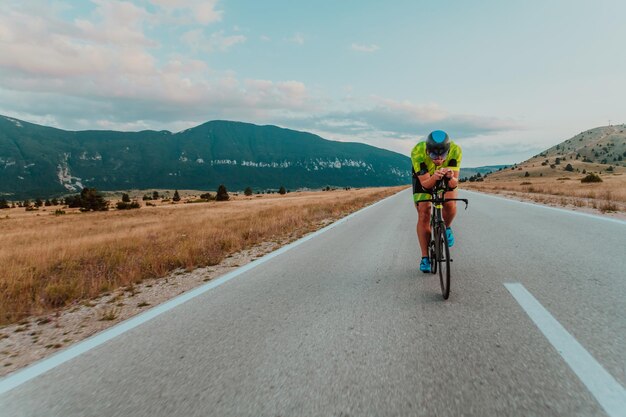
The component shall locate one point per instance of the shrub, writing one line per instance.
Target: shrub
(282, 190)
(591, 177)
(176, 196)
(526, 174)
(222, 193)
(207, 196)
(125, 198)
(88, 199)
(155, 195)
(569, 168)
(58, 294)
(610, 169)
(248, 191)
(123, 205)
(4, 204)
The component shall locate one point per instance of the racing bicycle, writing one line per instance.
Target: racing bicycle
(438, 250)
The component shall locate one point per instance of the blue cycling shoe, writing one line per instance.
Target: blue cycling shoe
(425, 265)
(450, 237)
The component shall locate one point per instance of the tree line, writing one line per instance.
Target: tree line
(90, 199)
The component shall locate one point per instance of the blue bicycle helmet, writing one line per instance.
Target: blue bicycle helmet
(437, 143)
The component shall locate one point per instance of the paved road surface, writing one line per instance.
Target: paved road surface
(345, 325)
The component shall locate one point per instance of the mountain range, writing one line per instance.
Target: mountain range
(41, 161)
(470, 172)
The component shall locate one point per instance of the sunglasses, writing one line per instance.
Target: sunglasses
(434, 155)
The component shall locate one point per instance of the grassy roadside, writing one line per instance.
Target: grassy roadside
(50, 262)
(565, 191)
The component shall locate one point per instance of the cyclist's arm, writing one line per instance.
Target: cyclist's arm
(453, 182)
(428, 181)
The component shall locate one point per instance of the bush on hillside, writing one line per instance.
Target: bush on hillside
(222, 193)
(88, 199)
(591, 177)
(123, 205)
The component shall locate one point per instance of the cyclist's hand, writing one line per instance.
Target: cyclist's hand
(438, 174)
(449, 173)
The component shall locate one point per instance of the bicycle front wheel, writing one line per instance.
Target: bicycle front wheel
(444, 263)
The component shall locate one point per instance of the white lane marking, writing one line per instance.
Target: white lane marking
(578, 213)
(608, 392)
(19, 377)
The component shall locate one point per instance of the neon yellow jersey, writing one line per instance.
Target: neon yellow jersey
(422, 162)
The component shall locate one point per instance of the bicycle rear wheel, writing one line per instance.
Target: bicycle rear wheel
(443, 259)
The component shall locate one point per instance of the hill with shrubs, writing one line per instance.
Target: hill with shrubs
(601, 151)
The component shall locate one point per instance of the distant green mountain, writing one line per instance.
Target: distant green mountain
(40, 161)
(470, 172)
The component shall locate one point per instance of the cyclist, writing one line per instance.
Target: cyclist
(434, 159)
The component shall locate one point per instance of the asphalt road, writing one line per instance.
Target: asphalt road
(345, 325)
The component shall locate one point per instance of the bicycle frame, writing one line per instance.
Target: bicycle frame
(439, 199)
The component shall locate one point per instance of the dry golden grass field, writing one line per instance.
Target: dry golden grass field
(50, 261)
(562, 189)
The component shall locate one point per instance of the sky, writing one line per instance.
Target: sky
(505, 79)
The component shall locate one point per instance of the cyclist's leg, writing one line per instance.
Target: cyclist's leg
(423, 215)
(423, 223)
(449, 208)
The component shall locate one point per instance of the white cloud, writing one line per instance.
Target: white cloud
(102, 70)
(200, 11)
(197, 40)
(38, 46)
(397, 125)
(105, 65)
(365, 48)
(297, 38)
(223, 43)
